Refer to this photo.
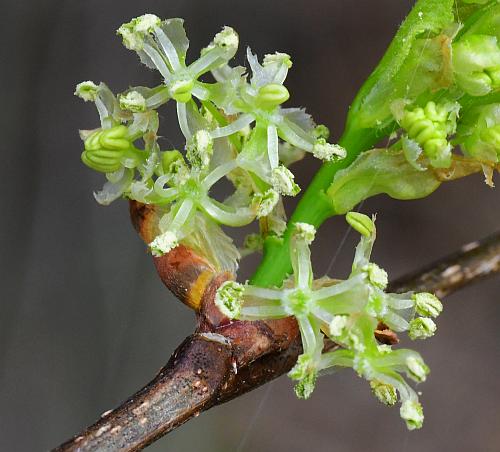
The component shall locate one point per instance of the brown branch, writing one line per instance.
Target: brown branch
(224, 359)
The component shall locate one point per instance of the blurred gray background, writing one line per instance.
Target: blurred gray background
(84, 320)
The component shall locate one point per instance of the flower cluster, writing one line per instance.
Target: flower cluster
(235, 127)
(463, 92)
(436, 95)
(347, 313)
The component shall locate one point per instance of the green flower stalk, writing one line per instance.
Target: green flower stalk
(347, 312)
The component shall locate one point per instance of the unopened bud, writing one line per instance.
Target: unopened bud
(361, 223)
(272, 95)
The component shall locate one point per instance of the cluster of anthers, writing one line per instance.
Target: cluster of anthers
(346, 313)
(235, 128)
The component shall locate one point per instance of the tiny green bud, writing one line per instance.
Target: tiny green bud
(430, 127)
(200, 151)
(305, 231)
(427, 304)
(229, 298)
(337, 325)
(272, 95)
(163, 243)
(377, 276)
(362, 223)
(476, 63)
(417, 369)
(264, 203)
(114, 138)
(104, 149)
(479, 133)
(411, 411)
(132, 101)
(280, 58)
(327, 151)
(386, 393)
(321, 131)
(104, 161)
(180, 90)
(421, 328)
(87, 91)
(283, 181)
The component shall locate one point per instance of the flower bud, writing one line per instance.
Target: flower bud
(479, 133)
(421, 328)
(476, 63)
(430, 127)
(427, 304)
(229, 298)
(361, 223)
(133, 101)
(105, 149)
(272, 95)
(411, 411)
(283, 181)
(386, 393)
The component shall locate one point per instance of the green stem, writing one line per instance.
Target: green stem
(313, 208)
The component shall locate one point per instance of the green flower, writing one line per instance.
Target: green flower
(348, 313)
